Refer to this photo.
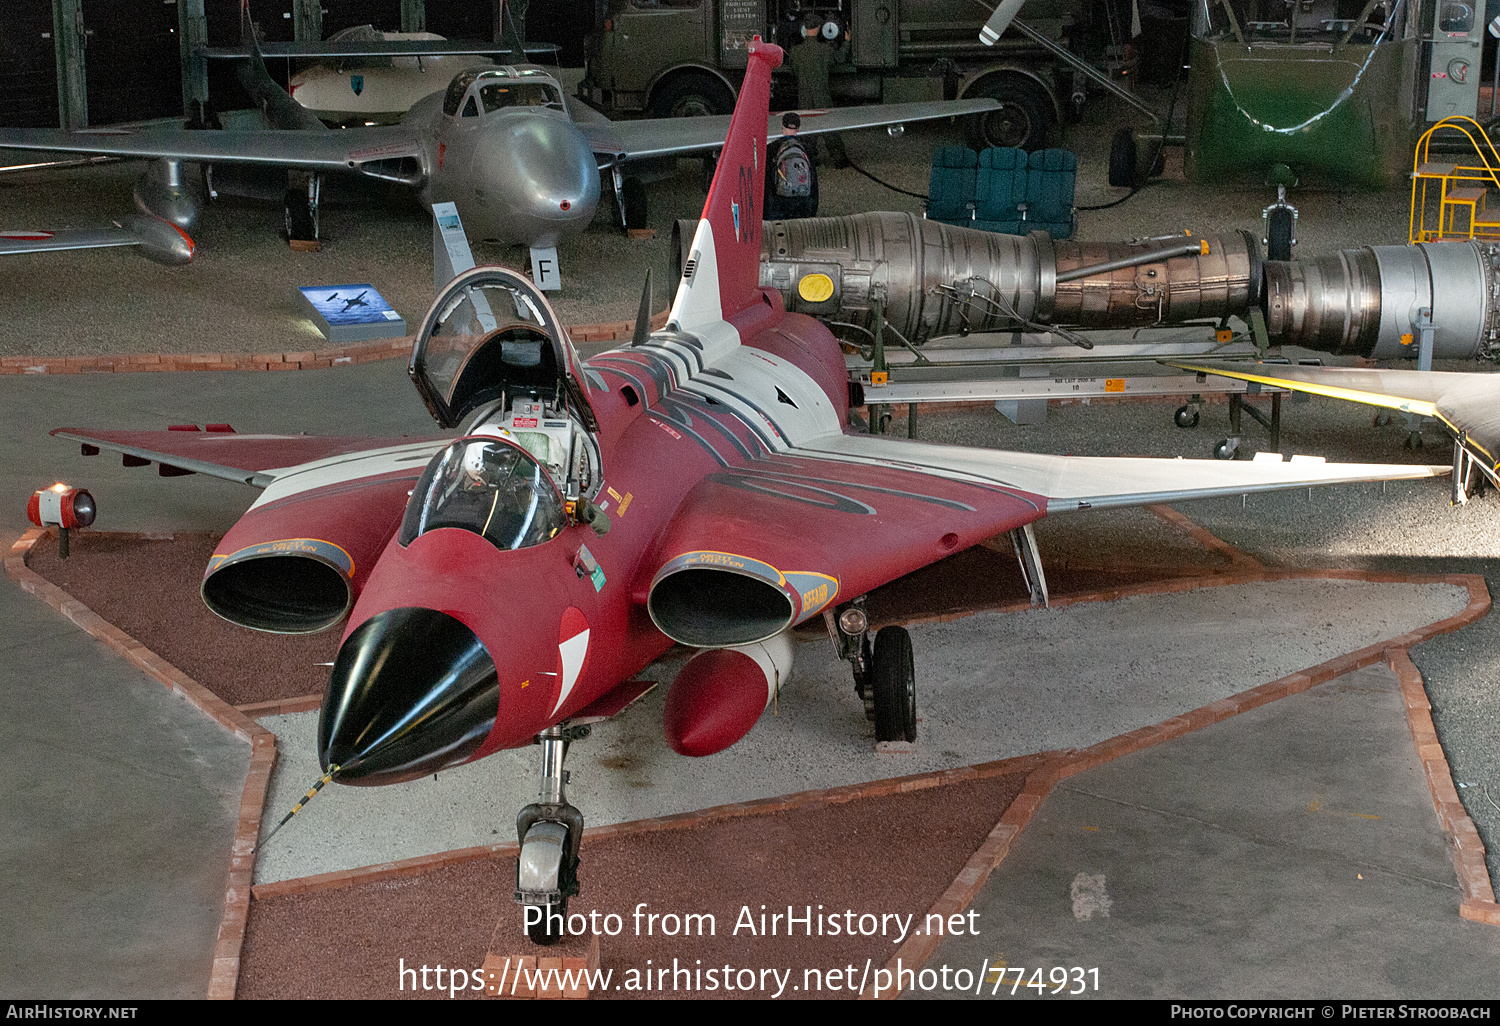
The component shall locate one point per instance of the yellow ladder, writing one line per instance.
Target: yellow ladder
(1456, 188)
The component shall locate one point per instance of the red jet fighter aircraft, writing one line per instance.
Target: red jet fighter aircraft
(697, 487)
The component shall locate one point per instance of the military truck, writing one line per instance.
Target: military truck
(669, 58)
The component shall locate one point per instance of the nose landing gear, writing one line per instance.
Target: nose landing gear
(550, 831)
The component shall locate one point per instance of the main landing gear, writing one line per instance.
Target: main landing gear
(884, 672)
(300, 207)
(550, 831)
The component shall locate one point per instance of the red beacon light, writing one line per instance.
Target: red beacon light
(63, 508)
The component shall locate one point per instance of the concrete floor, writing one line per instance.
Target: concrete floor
(100, 729)
(992, 686)
(1289, 852)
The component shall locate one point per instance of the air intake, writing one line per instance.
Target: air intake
(281, 594)
(706, 607)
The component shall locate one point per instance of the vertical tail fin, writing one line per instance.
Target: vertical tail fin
(721, 275)
(278, 108)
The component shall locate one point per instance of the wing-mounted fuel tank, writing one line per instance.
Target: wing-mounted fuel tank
(719, 695)
(931, 279)
(172, 191)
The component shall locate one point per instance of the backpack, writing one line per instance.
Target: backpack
(793, 171)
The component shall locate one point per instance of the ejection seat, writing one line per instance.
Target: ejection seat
(492, 351)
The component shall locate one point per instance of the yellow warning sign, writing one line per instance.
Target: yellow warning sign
(815, 288)
(1114, 384)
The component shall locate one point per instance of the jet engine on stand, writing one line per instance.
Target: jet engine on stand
(928, 279)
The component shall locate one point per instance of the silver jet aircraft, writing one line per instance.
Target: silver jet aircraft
(520, 160)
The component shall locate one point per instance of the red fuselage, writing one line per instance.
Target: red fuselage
(656, 443)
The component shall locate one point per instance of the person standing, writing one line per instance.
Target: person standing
(791, 178)
(810, 61)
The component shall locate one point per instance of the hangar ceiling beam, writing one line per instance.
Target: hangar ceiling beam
(68, 38)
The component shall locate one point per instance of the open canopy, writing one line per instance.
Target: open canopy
(491, 335)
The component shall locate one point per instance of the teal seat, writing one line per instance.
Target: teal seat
(1000, 189)
(950, 189)
(1050, 179)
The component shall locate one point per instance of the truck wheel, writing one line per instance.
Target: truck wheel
(1122, 159)
(1023, 120)
(691, 95)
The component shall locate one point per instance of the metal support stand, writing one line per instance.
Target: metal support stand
(1227, 448)
(1463, 470)
(1425, 332)
(1023, 540)
(314, 192)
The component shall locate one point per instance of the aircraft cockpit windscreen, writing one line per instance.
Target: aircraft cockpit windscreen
(456, 90)
(1313, 22)
(506, 93)
(490, 487)
(490, 335)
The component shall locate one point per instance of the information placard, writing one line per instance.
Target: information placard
(351, 313)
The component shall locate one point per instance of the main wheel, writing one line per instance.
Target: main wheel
(894, 681)
(1225, 451)
(1279, 234)
(299, 219)
(546, 933)
(635, 203)
(1122, 159)
(1185, 417)
(691, 95)
(1023, 119)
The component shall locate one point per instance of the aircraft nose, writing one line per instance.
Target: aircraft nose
(551, 176)
(413, 690)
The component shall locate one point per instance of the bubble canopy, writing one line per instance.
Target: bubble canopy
(489, 486)
(489, 335)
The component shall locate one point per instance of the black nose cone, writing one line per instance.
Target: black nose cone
(412, 691)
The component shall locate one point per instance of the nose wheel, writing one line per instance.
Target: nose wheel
(550, 831)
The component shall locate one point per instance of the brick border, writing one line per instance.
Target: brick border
(231, 935)
(1465, 847)
(281, 706)
(1203, 536)
(300, 359)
